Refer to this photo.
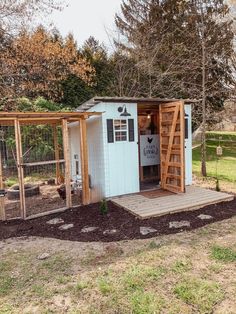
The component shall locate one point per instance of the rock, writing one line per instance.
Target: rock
(55, 221)
(110, 232)
(66, 227)
(204, 217)
(43, 256)
(147, 230)
(88, 229)
(179, 224)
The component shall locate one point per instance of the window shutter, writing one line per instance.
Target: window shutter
(131, 130)
(110, 132)
(186, 127)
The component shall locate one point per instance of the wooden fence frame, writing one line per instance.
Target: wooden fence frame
(55, 119)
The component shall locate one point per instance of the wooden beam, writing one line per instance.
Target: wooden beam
(57, 155)
(84, 162)
(2, 199)
(182, 146)
(67, 162)
(19, 159)
(41, 163)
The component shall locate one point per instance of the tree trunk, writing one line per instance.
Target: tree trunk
(203, 137)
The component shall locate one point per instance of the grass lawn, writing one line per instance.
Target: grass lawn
(226, 163)
(189, 272)
(192, 272)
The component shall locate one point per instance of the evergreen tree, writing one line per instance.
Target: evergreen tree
(77, 91)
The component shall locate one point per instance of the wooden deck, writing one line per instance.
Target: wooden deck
(146, 206)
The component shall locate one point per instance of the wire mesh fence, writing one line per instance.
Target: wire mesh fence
(43, 170)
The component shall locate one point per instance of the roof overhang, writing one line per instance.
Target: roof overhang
(36, 118)
(139, 100)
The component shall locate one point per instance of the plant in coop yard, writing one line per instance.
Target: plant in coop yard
(103, 207)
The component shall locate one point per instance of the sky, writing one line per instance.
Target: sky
(86, 18)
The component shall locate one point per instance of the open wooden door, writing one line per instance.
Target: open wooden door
(172, 146)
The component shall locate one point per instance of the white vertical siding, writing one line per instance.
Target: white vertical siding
(188, 147)
(96, 158)
(95, 154)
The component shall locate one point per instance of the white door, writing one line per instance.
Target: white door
(188, 145)
(123, 160)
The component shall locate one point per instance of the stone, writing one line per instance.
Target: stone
(179, 224)
(43, 256)
(88, 229)
(55, 221)
(204, 217)
(66, 227)
(147, 230)
(110, 232)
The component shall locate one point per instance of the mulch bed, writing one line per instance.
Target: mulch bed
(127, 225)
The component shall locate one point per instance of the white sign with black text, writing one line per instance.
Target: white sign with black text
(149, 150)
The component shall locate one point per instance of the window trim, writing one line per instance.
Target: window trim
(126, 130)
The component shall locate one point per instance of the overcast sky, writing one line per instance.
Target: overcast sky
(88, 17)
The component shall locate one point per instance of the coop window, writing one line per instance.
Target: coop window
(120, 130)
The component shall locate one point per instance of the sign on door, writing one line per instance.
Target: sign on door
(149, 150)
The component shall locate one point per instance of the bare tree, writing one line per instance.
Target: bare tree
(15, 14)
(185, 49)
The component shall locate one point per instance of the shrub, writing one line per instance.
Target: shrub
(104, 207)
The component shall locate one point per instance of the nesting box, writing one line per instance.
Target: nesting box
(219, 151)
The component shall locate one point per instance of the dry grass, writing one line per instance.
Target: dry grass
(185, 273)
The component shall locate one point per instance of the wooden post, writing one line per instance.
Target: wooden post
(158, 133)
(84, 162)
(67, 162)
(19, 160)
(57, 156)
(2, 202)
(182, 144)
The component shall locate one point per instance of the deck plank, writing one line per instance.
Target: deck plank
(194, 198)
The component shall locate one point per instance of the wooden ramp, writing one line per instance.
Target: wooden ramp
(195, 197)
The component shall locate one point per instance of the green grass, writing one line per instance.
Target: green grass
(11, 181)
(223, 254)
(33, 177)
(190, 274)
(226, 163)
(181, 267)
(201, 294)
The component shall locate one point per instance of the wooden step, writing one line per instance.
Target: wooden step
(173, 151)
(172, 188)
(174, 146)
(169, 134)
(173, 176)
(169, 122)
(171, 164)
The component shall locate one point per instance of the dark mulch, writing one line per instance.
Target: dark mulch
(126, 224)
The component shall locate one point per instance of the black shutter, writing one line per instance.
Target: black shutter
(110, 132)
(131, 130)
(186, 127)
